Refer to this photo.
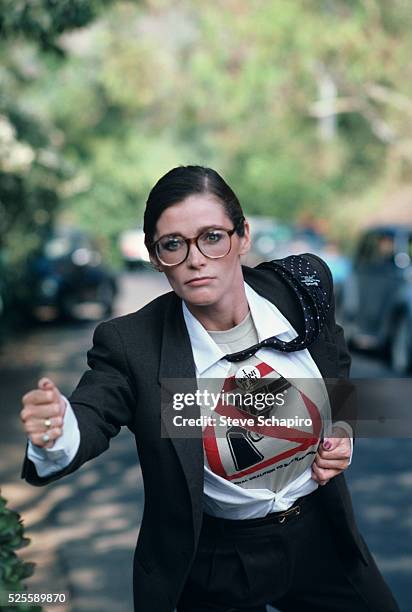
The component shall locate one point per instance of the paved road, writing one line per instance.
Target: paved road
(84, 527)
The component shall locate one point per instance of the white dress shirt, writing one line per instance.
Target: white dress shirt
(221, 497)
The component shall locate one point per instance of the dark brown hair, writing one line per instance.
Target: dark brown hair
(182, 182)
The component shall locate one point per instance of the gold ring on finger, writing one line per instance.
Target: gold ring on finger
(45, 437)
(47, 423)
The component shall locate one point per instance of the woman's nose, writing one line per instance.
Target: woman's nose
(195, 256)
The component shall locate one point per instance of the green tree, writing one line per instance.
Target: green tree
(301, 105)
(33, 169)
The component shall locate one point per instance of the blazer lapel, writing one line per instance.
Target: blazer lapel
(177, 373)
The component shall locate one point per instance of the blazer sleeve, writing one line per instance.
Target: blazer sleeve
(102, 402)
(342, 392)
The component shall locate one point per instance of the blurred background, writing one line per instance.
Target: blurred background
(305, 108)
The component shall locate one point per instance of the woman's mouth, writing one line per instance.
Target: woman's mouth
(198, 282)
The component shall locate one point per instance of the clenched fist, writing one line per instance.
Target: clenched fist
(333, 456)
(42, 414)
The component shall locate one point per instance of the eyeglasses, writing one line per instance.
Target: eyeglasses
(214, 243)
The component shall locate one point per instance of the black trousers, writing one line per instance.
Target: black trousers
(298, 565)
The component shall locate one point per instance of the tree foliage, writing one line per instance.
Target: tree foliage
(43, 21)
(33, 163)
(301, 105)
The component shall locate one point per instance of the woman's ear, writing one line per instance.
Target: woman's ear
(245, 241)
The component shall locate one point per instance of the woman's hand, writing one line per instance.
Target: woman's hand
(43, 413)
(333, 456)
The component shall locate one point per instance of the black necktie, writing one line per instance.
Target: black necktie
(299, 274)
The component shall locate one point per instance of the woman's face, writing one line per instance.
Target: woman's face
(221, 277)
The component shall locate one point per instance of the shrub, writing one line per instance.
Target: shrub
(13, 571)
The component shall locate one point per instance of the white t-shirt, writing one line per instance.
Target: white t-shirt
(265, 431)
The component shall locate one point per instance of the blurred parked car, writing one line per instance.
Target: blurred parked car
(340, 266)
(132, 248)
(377, 296)
(3, 287)
(13, 294)
(69, 271)
(272, 239)
(5, 294)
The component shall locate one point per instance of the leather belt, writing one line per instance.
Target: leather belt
(281, 518)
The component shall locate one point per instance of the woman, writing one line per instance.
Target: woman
(236, 516)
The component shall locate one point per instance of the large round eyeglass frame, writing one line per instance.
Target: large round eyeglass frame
(194, 240)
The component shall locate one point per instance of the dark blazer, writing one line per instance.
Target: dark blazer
(130, 357)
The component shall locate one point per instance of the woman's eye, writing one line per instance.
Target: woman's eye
(212, 236)
(173, 244)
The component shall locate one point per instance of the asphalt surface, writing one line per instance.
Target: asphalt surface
(84, 527)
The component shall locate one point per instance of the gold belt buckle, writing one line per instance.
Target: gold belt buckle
(294, 510)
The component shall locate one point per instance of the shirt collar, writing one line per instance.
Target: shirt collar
(268, 321)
